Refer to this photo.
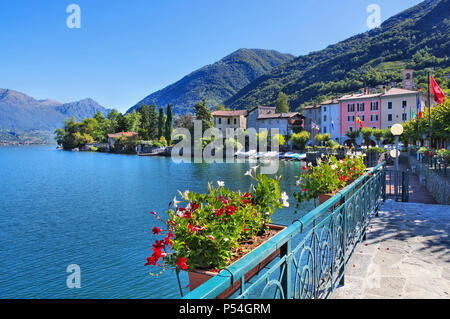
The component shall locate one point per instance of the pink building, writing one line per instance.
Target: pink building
(366, 106)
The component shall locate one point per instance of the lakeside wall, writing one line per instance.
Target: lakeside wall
(437, 185)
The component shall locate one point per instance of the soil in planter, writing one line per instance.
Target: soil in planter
(252, 244)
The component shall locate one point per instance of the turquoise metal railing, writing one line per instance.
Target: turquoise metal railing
(314, 251)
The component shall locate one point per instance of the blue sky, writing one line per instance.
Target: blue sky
(126, 50)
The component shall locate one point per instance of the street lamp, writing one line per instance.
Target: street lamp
(396, 130)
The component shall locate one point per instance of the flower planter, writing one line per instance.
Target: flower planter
(324, 197)
(199, 276)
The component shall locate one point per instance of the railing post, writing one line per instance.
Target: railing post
(344, 244)
(286, 281)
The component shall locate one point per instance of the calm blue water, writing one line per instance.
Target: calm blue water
(59, 208)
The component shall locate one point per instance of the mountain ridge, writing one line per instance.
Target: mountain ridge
(349, 64)
(217, 81)
(21, 112)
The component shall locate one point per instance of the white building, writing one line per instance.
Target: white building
(330, 120)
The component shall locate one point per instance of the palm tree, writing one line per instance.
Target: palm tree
(353, 135)
(366, 133)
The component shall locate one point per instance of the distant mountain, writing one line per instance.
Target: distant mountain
(416, 38)
(217, 82)
(20, 112)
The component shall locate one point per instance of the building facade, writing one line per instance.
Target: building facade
(313, 114)
(366, 106)
(286, 123)
(230, 119)
(396, 106)
(330, 121)
(255, 113)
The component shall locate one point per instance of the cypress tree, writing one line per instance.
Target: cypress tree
(169, 124)
(161, 122)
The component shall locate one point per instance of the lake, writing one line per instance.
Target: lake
(59, 208)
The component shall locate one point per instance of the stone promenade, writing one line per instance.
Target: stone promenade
(406, 255)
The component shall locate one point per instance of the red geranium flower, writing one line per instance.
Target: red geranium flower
(156, 230)
(304, 168)
(181, 263)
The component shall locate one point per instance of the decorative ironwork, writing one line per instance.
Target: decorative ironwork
(314, 251)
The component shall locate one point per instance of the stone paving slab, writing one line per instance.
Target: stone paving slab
(406, 255)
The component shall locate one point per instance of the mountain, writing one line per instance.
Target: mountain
(20, 112)
(217, 82)
(416, 38)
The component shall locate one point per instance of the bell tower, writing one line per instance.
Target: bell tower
(408, 79)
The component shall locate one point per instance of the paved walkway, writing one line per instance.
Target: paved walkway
(406, 255)
(418, 193)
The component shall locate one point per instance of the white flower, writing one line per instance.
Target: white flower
(175, 202)
(333, 167)
(184, 195)
(285, 198)
(309, 164)
(319, 161)
(248, 173)
(297, 183)
(221, 183)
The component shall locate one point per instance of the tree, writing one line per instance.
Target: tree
(153, 123)
(221, 107)
(388, 136)
(300, 139)
(366, 133)
(184, 121)
(161, 122)
(319, 139)
(353, 135)
(203, 113)
(133, 121)
(169, 124)
(282, 103)
(144, 130)
(378, 135)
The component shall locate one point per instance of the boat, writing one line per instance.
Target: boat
(259, 155)
(246, 154)
(298, 157)
(286, 155)
(271, 155)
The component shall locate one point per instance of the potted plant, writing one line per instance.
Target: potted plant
(205, 233)
(328, 177)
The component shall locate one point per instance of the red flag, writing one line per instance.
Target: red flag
(358, 120)
(439, 96)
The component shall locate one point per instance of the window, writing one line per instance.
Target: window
(374, 106)
(324, 118)
(351, 118)
(361, 117)
(390, 105)
(228, 121)
(351, 108)
(374, 117)
(404, 104)
(351, 128)
(235, 121)
(324, 108)
(270, 121)
(390, 117)
(220, 120)
(324, 129)
(360, 107)
(374, 127)
(404, 117)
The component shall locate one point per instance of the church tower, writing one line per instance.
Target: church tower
(408, 79)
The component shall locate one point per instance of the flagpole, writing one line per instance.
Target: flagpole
(429, 106)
